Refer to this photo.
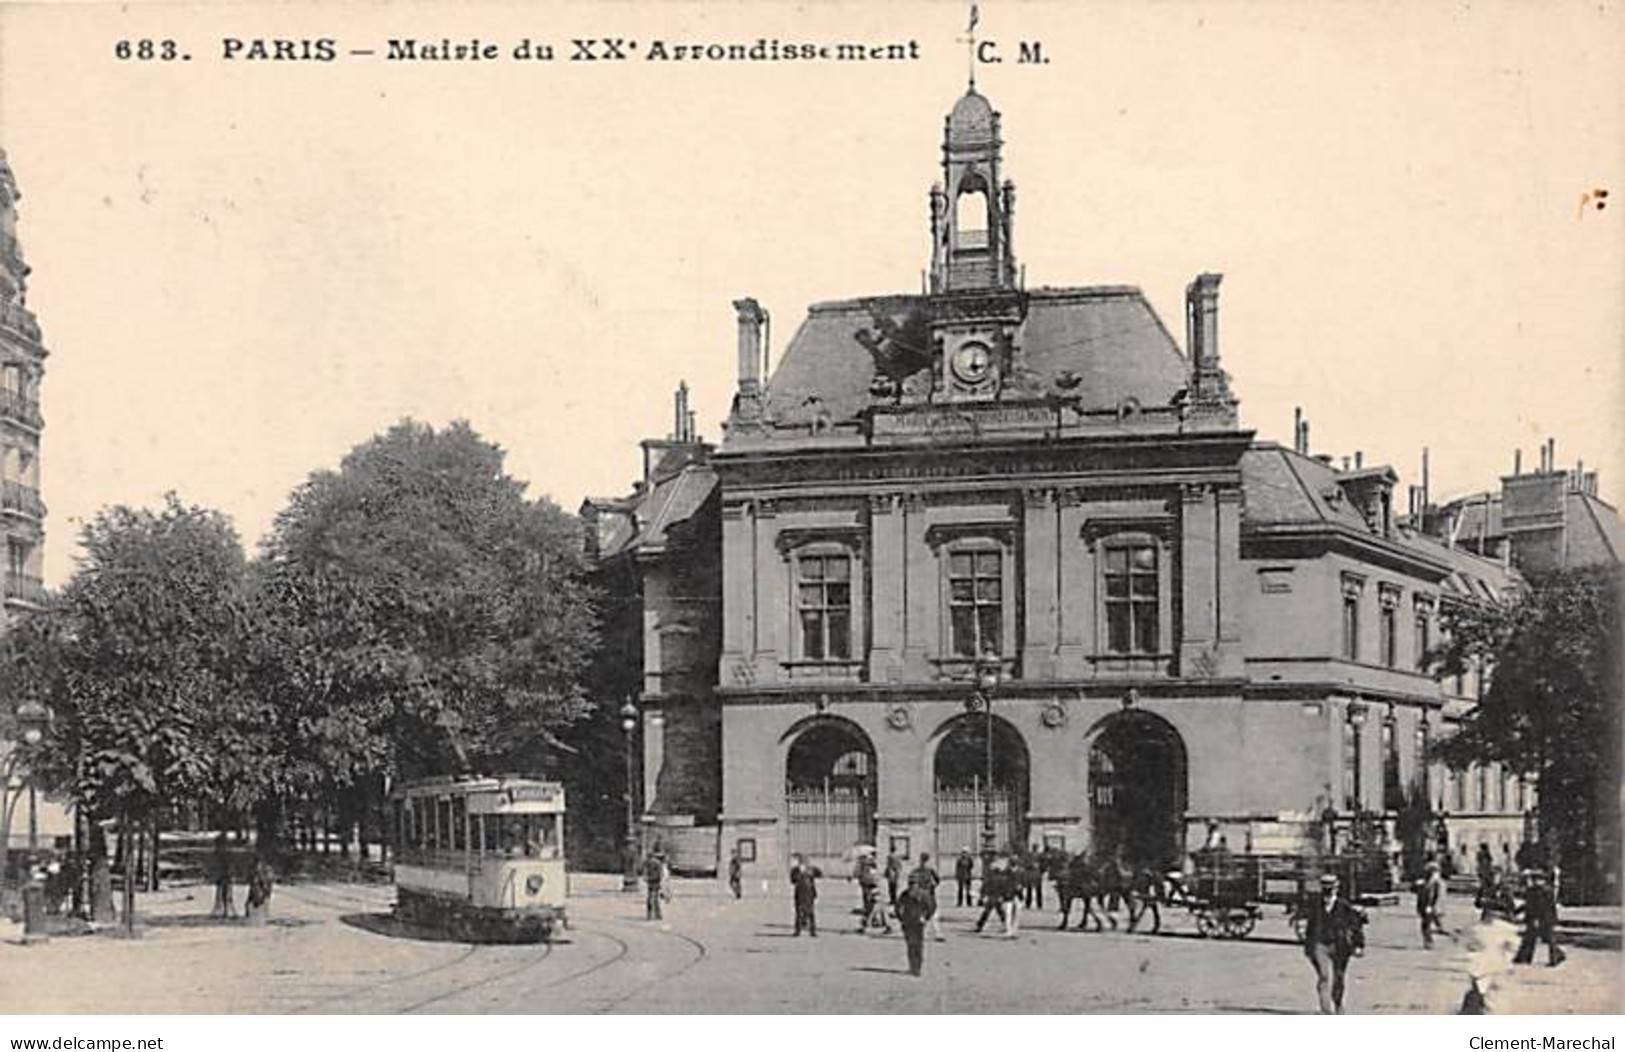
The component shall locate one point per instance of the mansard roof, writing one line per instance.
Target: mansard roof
(1285, 488)
(644, 521)
(1107, 336)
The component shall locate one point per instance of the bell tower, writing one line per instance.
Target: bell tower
(970, 209)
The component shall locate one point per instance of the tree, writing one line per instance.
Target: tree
(1551, 709)
(140, 667)
(433, 619)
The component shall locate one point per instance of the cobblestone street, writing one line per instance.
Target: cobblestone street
(334, 949)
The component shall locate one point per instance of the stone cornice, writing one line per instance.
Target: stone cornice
(1103, 460)
(1308, 539)
(1011, 690)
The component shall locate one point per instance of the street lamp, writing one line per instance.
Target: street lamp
(987, 681)
(629, 853)
(32, 719)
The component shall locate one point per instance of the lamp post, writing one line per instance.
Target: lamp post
(32, 719)
(987, 681)
(629, 852)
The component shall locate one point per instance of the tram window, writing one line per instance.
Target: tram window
(459, 819)
(513, 835)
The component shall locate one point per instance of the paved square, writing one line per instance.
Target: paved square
(334, 949)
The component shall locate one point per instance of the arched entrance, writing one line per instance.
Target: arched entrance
(966, 797)
(829, 789)
(1138, 790)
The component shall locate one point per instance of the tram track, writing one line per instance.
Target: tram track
(506, 973)
(622, 948)
(701, 953)
(322, 898)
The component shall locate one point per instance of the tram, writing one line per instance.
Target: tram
(481, 858)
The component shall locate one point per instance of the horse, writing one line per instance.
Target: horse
(1080, 880)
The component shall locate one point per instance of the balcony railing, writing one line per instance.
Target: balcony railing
(20, 499)
(19, 407)
(25, 588)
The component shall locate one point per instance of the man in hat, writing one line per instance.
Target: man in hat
(804, 881)
(914, 908)
(924, 876)
(964, 871)
(654, 879)
(1539, 921)
(1430, 903)
(1334, 932)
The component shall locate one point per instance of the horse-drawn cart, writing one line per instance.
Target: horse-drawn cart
(1226, 893)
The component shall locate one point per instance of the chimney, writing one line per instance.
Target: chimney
(1591, 483)
(1297, 429)
(751, 317)
(1202, 320)
(693, 432)
(1305, 449)
(1359, 459)
(680, 413)
(1425, 491)
(1517, 462)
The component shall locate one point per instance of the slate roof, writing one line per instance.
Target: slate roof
(1107, 335)
(1285, 488)
(643, 521)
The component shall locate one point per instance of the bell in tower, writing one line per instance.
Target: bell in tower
(970, 209)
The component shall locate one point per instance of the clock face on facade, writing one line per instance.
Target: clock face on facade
(972, 363)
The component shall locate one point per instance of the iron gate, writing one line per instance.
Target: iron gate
(960, 815)
(824, 822)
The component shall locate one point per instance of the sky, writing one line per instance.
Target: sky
(245, 268)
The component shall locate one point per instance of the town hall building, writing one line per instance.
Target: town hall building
(992, 565)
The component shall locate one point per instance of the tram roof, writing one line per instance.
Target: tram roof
(469, 783)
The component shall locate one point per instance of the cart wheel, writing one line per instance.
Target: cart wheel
(1207, 925)
(1245, 924)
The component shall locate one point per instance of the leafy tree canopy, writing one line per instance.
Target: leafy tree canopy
(139, 664)
(1551, 706)
(431, 615)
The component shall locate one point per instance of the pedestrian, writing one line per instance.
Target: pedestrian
(1333, 932)
(220, 866)
(926, 879)
(1430, 903)
(914, 908)
(736, 875)
(894, 877)
(874, 915)
(1032, 877)
(1484, 866)
(654, 870)
(1539, 921)
(804, 885)
(665, 874)
(1000, 894)
(964, 870)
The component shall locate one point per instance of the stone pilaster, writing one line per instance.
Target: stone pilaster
(1040, 552)
(1075, 611)
(886, 543)
(920, 592)
(772, 604)
(1198, 584)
